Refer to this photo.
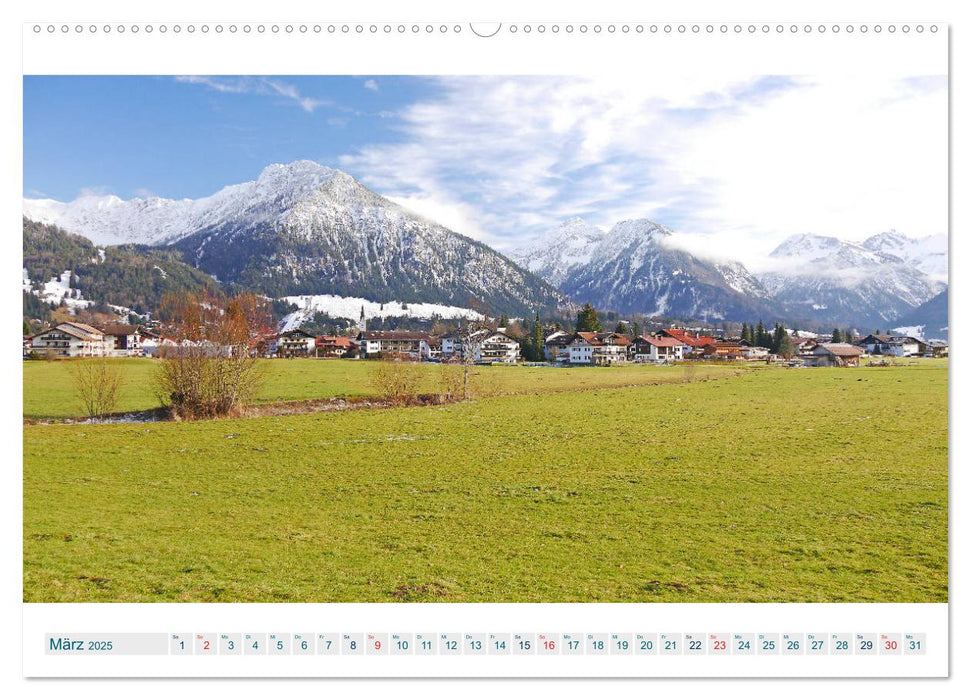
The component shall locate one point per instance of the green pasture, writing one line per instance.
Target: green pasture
(795, 485)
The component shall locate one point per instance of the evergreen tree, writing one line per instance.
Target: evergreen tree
(636, 330)
(837, 336)
(503, 321)
(762, 338)
(848, 336)
(777, 338)
(621, 328)
(539, 340)
(588, 321)
(745, 333)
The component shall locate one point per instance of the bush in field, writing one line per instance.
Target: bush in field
(397, 381)
(451, 381)
(214, 368)
(97, 383)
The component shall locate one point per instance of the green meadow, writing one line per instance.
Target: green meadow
(49, 390)
(771, 484)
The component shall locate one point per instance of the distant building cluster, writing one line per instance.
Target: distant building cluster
(490, 346)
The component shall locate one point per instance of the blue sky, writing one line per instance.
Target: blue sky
(734, 164)
(128, 135)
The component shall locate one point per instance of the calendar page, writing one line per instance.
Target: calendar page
(417, 345)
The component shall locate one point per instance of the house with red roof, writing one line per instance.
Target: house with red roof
(692, 340)
(658, 348)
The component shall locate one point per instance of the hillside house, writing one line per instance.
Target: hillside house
(332, 346)
(657, 348)
(410, 344)
(598, 348)
(894, 345)
(71, 339)
(834, 355)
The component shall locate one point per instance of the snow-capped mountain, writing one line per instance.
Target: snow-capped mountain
(304, 228)
(825, 278)
(928, 254)
(554, 255)
(634, 268)
(109, 220)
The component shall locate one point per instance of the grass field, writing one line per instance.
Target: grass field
(49, 391)
(772, 485)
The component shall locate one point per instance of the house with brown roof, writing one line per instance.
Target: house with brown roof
(598, 348)
(895, 345)
(722, 350)
(332, 346)
(834, 355)
(126, 338)
(73, 339)
(410, 344)
(556, 346)
(293, 343)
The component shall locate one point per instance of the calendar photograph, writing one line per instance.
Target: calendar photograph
(664, 338)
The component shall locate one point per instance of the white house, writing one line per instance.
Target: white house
(496, 347)
(412, 344)
(71, 339)
(293, 343)
(754, 352)
(657, 348)
(556, 346)
(894, 345)
(598, 348)
(126, 339)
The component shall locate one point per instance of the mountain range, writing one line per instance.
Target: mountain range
(303, 229)
(306, 229)
(636, 267)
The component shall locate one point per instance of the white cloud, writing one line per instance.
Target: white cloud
(371, 85)
(258, 86)
(734, 166)
(459, 217)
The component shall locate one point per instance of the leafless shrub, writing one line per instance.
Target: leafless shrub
(213, 369)
(397, 381)
(451, 381)
(97, 383)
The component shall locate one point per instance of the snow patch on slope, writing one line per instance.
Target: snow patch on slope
(350, 308)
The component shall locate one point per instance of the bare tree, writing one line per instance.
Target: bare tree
(470, 333)
(97, 383)
(213, 369)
